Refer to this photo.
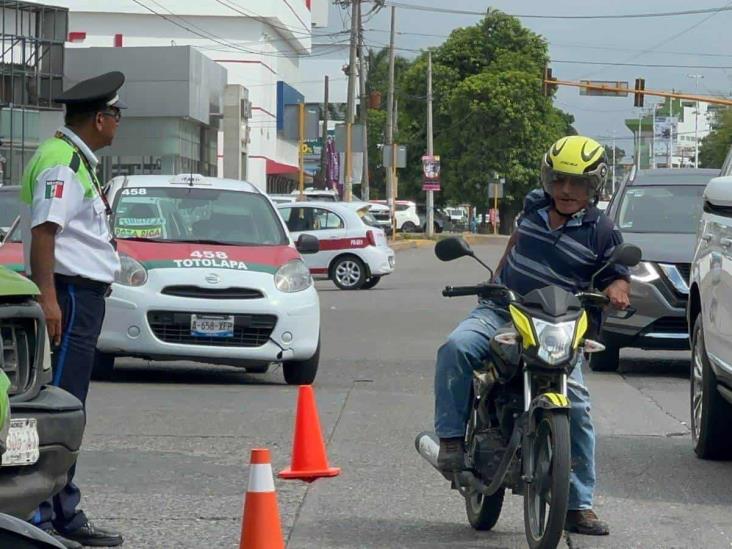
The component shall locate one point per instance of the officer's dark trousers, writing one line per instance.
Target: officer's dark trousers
(82, 307)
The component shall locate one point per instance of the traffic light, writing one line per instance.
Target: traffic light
(640, 85)
(547, 85)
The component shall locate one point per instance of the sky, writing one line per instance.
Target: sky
(698, 39)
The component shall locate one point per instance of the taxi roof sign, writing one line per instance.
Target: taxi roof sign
(189, 179)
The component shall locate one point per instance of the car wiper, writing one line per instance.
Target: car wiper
(209, 241)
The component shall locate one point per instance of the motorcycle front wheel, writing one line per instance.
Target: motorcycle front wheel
(547, 494)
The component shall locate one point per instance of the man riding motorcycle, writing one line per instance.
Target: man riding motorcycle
(562, 239)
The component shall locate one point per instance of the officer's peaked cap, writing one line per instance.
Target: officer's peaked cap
(95, 93)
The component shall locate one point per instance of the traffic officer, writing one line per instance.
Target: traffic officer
(70, 255)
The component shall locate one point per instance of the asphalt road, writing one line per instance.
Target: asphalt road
(167, 445)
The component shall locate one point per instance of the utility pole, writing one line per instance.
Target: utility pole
(389, 130)
(696, 78)
(430, 148)
(323, 151)
(671, 134)
(638, 152)
(300, 147)
(363, 115)
(351, 101)
(614, 165)
(653, 139)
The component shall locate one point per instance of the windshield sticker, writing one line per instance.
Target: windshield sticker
(140, 222)
(150, 232)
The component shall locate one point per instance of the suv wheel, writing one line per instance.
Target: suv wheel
(302, 372)
(348, 272)
(606, 361)
(711, 415)
(103, 366)
(409, 227)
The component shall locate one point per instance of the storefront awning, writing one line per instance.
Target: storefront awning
(277, 168)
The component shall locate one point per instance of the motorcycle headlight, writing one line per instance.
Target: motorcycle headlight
(555, 340)
(644, 272)
(293, 276)
(132, 273)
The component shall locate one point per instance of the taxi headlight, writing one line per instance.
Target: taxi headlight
(132, 272)
(293, 276)
(46, 352)
(555, 340)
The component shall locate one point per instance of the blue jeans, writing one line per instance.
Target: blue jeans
(465, 350)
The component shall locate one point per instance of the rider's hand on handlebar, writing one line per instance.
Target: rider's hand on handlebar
(619, 294)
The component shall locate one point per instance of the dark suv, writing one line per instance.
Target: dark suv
(46, 423)
(659, 211)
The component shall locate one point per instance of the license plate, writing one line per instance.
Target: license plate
(212, 325)
(22, 443)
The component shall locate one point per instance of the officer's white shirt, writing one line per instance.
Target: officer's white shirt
(83, 246)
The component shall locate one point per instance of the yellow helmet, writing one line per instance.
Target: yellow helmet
(575, 156)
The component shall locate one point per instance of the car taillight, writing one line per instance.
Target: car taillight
(371, 238)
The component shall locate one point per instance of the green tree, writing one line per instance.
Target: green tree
(489, 112)
(715, 146)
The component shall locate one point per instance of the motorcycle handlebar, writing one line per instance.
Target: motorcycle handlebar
(482, 290)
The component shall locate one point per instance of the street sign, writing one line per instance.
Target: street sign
(431, 171)
(401, 156)
(356, 138)
(604, 83)
(493, 187)
(291, 128)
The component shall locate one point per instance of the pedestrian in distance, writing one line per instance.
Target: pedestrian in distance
(70, 255)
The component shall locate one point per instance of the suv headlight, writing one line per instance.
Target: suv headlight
(293, 276)
(555, 340)
(132, 272)
(644, 272)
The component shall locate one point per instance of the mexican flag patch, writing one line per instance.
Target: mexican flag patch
(54, 189)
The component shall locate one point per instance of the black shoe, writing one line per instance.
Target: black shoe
(93, 536)
(69, 544)
(452, 454)
(585, 522)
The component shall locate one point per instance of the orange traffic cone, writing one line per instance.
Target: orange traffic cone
(309, 461)
(260, 526)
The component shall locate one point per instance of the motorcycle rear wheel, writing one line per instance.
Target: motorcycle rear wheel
(547, 495)
(483, 511)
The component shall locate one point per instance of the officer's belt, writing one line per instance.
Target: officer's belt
(83, 282)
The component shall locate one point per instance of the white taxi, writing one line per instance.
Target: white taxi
(209, 274)
(354, 253)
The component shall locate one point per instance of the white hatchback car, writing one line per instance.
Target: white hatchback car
(209, 274)
(353, 251)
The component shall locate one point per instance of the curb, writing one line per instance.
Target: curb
(410, 244)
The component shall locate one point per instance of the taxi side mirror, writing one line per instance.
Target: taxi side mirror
(307, 244)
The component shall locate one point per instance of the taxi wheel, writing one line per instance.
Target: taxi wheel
(348, 272)
(103, 366)
(370, 282)
(302, 372)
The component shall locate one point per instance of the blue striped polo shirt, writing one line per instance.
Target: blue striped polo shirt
(566, 257)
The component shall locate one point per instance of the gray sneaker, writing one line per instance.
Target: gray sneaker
(452, 454)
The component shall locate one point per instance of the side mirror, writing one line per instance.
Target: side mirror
(307, 244)
(452, 248)
(626, 254)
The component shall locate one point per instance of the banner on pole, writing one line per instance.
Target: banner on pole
(431, 171)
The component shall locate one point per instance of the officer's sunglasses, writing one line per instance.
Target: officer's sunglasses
(117, 114)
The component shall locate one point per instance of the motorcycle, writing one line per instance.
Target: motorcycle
(517, 435)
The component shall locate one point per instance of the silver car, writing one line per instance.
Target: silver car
(710, 320)
(659, 211)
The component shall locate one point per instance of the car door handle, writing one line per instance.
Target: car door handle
(725, 242)
(707, 237)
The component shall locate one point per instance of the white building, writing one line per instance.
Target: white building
(259, 42)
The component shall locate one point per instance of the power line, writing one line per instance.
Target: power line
(453, 11)
(672, 37)
(650, 65)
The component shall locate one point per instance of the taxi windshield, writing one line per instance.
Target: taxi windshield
(196, 215)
